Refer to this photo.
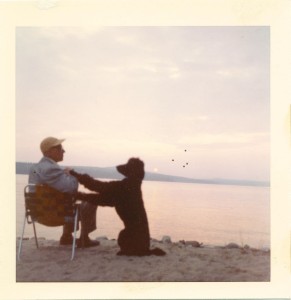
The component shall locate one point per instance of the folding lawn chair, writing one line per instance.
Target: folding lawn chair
(49, 207)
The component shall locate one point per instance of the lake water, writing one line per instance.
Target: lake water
(211, 214)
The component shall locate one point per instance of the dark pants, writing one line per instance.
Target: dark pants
(87, 217)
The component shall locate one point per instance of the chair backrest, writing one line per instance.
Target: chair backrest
(48, 206)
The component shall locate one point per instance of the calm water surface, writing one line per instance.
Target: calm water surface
(212, 214)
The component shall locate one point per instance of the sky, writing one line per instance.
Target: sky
(188, 101)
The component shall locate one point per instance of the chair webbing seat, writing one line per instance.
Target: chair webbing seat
(49, 207)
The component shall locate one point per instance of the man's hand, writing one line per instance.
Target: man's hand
(67, 171)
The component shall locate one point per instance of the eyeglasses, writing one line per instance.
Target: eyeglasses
(58, 147)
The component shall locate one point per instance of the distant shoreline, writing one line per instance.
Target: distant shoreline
(22, 168)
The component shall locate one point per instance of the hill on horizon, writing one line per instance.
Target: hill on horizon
(111, 173)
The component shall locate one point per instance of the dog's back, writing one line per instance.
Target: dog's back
(135, 238)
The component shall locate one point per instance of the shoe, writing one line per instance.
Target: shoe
(66, 240)
(87, 243)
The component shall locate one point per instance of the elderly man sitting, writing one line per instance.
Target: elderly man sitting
(47, 171)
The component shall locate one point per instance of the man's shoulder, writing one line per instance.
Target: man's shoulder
(45, 164)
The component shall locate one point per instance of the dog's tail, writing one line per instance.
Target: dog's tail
(157, 251)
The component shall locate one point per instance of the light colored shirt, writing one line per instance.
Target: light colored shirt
(47, 171)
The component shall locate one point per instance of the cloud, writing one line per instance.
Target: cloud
(226, 139)
(113, 91)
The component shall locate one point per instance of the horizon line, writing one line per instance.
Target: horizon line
(215, 180)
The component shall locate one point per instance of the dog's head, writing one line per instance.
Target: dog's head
(134, 168)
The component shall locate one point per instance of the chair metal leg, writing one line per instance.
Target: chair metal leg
(82, 229)
(21, 239)
(35, 236)
(75, 233)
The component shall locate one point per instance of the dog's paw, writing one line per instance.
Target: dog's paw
(158, 252)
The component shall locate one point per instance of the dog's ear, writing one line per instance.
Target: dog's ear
(136, 168)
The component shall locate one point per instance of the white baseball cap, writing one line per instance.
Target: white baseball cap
(49, 142)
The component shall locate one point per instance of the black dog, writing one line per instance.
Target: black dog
(126, 196)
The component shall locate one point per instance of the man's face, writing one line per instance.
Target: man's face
(56, 153)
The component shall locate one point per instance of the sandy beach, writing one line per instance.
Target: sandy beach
(184, 262)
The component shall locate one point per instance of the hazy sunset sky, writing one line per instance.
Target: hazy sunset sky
(149, 92)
